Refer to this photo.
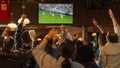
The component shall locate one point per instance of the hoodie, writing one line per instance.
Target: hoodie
(109, 56)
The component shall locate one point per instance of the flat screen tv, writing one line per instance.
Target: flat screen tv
(55, 13)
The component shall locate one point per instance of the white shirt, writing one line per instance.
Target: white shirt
(45, 60)
(110, 55)
(26, 21)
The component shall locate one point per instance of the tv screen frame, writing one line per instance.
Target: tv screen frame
(54, 13)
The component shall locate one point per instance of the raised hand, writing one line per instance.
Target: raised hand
(95, 22)
(114, 21)
(7, 29)
(52, 33)
(97, 25)
(111, 13)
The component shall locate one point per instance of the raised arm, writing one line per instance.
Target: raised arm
(39, 52)
(96, 24)
(114, 21)
(51, 33)
(18, 35)
(5, 32)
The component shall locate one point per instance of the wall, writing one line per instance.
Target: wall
(82, 15)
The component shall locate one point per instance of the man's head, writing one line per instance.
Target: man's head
(112, 37)
(62, 27)
(66, 48)
(23, 16)
(26, 37)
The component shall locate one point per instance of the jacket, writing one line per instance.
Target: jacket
(109, 56)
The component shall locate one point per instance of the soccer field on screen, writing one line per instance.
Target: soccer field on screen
(54, 18)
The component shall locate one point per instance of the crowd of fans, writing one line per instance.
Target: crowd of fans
(59, 50)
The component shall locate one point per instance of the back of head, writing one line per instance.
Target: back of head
(8, 43)
(26, 37)
(23, 16)
(102, 39)
(67, 49)
(79, 44)
(112, 37)
(85, 54)
(62, 27)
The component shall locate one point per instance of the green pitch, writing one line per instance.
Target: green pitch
(47, 18)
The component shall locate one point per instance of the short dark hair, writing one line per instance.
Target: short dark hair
(67, 48)
(85, 54)
(112, 37)
(26, 37)
(102, 38)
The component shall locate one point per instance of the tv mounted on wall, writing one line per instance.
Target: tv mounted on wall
(55, 13)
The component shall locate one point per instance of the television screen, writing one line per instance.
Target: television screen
(55, 14)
